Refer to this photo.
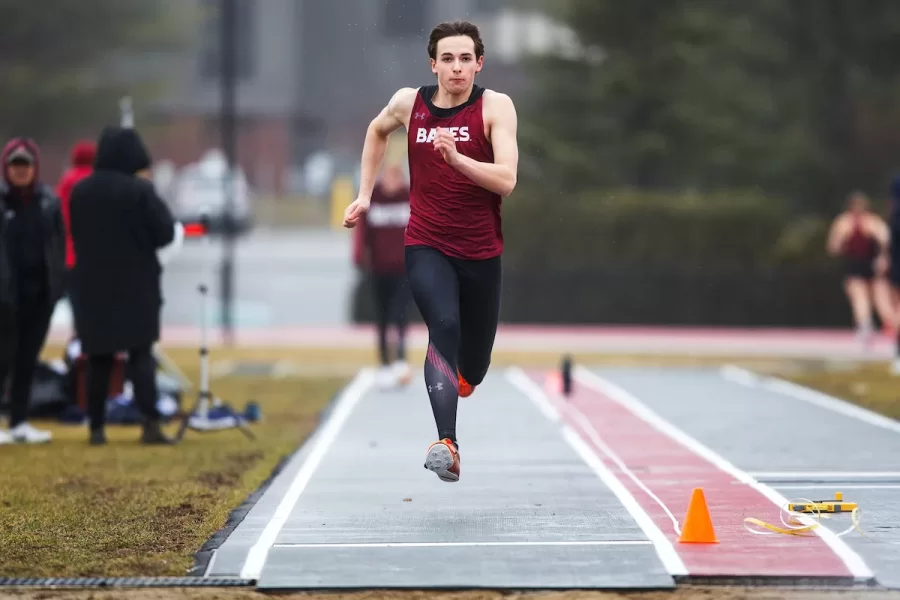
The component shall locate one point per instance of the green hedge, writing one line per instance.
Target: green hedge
(632, 226)
(626, 256)
(609, 292)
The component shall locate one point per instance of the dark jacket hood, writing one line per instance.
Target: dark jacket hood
(30, 147)
(121, 150)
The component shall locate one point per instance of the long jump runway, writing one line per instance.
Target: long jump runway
(585, 491)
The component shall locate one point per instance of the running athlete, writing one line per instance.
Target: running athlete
(863, 239)
(463, 159)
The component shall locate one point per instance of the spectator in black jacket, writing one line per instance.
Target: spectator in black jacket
(118, 223)
(32, 267)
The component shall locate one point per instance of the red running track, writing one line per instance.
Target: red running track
(671, 470)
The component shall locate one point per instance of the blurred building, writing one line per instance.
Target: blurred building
(310, 77)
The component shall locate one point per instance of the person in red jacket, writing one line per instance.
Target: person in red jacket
(82, 157)
(379, 249)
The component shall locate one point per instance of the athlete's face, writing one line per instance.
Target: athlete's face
(456, 64)
(858, 204)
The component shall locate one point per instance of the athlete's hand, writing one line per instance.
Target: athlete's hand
(355, 211)
(446, 145)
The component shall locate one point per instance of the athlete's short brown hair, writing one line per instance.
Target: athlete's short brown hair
(451, 29)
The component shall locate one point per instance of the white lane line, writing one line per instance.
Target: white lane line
(810, 396)
(469, 544)
(664, 548)
(324, 438)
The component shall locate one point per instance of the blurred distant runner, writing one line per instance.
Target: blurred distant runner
(379, 249)
(463, 159)
(32, 267)
(862, 238)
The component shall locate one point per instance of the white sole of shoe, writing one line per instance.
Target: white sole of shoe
(439, 460)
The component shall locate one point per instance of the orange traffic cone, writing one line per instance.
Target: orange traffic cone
(698, 526)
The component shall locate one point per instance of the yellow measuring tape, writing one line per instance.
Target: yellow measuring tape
(795, 519)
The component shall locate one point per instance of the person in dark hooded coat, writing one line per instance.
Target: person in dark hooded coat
(118, 223)
(32, 268)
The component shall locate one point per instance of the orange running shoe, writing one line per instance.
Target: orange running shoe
(443, 460)
(465, 388)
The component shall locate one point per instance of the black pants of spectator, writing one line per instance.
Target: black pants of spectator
(24, 331)
(141, 372)
(67, 295)
(391, 308)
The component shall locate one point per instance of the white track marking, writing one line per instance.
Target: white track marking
(836, 475)
(831, 486)
(664, 548)
(469, 544)
(810, 396)
(324, 438)
(533, 392)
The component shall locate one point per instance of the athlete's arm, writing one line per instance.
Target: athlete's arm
(500, 176)
(836, 236)
(882, 236)
(879, 231)
(392, 117)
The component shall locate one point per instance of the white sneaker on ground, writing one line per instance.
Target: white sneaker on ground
(25, 433)
(402, 372)
(385, 378)
(864, 336)
(895, 367)
(5, 437)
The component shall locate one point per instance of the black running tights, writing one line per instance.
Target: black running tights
(460, 303)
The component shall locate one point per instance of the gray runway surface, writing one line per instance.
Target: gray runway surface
(800, 449)
(757, 429)
(355, 509)
(878, 507)
(528, 512)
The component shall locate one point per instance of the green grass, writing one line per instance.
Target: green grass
(871, 386)
(70, 509)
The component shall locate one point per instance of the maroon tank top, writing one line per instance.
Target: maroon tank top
(448, 211)
(860, 245)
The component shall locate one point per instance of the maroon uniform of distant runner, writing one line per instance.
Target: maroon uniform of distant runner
(381, 235)
(449, 211)
(380, 251)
